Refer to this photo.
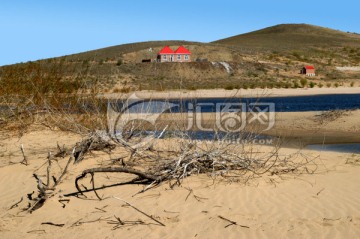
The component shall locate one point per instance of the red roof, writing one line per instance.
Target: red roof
(166, 50)
(182, 50)
(309, 67)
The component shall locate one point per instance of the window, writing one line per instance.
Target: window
(179, 57)
(186, 57)
(164, 57)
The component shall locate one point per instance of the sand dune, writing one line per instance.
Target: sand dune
(321, 205)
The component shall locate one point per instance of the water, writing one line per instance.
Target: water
(282, 104)
(294, 103)
(343, 148)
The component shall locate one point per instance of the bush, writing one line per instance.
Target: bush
(191, 88)
(270, 85)
(296, 84)
(303, 82)
(336, 84)
(122, 90)
(320, 85)
(312, 84)
(352, 84)
(229, 87)
(119, 62)
(287, 85)
(328, 85)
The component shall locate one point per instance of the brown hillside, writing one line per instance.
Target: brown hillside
(293, 37)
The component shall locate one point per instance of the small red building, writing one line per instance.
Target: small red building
(168, 55)
(308, 70)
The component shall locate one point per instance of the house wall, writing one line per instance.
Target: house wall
(310, 72)
(182, 58)
(167, 57)
(175, 58)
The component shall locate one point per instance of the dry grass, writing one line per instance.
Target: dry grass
(44, 94)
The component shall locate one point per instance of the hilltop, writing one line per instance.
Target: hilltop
(293, 37)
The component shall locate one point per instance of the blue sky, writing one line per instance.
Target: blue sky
(32, 30)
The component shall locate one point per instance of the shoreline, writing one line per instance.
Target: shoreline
(294, 129)
(241, 93)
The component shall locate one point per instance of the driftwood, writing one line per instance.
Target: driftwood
(53, 224)
(36, 231)
(95, 143)
(149, 216)
(79, 222)
(62, 202)
(41, 198)
(46, 190)
(152, 166)
(231, 222)
(122, 223)
(16, 204)
(174, 166)
(141, 176)
(25, 160)
(61, 151)
(71, 158)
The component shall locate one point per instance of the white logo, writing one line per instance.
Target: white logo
(135, 115)
(134, 109)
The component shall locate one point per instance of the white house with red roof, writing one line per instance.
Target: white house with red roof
(179, 55)
(308, 70)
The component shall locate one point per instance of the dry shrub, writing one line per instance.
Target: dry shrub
(329, 116)
(49, 94)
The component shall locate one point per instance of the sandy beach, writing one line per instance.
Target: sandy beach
(301, 128)
(315, 205)
(320, 204)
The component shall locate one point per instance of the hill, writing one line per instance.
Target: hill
(267, 58)
(293, 37)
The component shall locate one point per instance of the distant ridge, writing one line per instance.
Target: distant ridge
(294, 37)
